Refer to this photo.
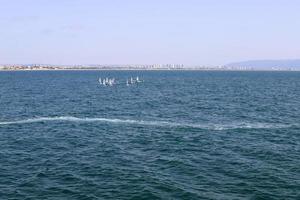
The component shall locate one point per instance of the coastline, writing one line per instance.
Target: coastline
(161, 69)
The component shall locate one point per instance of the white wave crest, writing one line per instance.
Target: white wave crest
(152, 123)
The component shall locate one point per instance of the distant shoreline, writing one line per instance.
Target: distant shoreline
(129, 69)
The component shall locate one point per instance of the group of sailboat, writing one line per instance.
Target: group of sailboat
(112, 81)
(107, 81)
(133, 81)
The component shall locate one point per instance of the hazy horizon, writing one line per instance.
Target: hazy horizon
(138, 32)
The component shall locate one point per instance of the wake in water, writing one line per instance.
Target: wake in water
(153, 123)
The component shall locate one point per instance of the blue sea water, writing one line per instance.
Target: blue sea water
(177, 135)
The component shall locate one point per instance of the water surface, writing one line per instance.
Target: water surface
(177, 135)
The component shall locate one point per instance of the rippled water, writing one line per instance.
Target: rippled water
(177, 135)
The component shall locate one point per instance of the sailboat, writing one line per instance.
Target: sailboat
(138, 80)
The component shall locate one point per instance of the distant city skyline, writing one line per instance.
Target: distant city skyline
(192, 32)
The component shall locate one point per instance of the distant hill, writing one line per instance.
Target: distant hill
(267, 64)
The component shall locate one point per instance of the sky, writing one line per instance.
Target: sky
(189, 32)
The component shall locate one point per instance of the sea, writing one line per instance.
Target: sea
(175, 135)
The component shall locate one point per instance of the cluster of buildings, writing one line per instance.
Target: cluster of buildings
(130, 67)
(107, 67)
(77, 67)
(42, 67)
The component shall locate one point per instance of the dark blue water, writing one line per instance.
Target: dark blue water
(177, 135)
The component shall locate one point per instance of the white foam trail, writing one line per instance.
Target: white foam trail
(152, 123)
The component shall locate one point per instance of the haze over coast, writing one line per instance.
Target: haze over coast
(250, 65)
(268, 64)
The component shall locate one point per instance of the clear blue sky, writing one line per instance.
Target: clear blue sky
(148, 31)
